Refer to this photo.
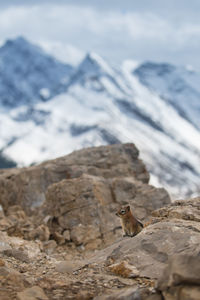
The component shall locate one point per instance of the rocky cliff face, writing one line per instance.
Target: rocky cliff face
(60, 238)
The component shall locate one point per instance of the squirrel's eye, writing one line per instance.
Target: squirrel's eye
(122, 212)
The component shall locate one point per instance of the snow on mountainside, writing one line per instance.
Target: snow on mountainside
(99, 104)
(177, 85)
(27, 74)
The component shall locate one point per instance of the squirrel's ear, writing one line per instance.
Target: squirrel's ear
(128, 207)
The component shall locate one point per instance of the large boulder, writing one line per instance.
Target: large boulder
(186, 210)
(181, 278)
(86, 206)
(27, 186)
(151, 250)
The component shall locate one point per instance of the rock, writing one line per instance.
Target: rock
(4, 244)
(86, 201)
(66, 235)
(190, 292)
(143, 198)
(16, 212)
(4, 271)
(49, 246)
(33, 293)
(181, 278)
(124, 269)
(65, 267)
(19, 248)
(59, 238)
(18, 254)
(152, 248)
(41, 232)
(84, 295)
(108, 161)
(84, 234)
(185, 209)
(86, 206)
(86, 255)
(93, 244)
(86, 187)
(132, 293)
(16, 222)
(27, 186)
(10, 279)
(182, 269)
(182, 293)
(5, 224)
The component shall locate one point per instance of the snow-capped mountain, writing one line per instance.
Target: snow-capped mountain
(176, 85)
(28, 75)
(96, 104)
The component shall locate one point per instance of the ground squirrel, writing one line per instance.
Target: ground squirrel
(130, 225)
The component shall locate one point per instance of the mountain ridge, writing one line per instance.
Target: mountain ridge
(27, 72)
(97, 104)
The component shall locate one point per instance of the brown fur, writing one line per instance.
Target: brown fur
(130, 225)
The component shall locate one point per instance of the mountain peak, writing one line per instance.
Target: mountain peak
(20, 44)
(26, 71)
(160, 69)
(20, 40)
(93, 63)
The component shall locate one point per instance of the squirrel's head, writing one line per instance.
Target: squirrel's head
(123, 211)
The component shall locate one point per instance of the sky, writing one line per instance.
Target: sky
(141, 30)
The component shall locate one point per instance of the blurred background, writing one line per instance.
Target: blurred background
(81, 73)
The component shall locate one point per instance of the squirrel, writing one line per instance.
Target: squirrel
(130, 225)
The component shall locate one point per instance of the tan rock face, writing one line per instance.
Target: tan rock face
(190, 292)
(27, 186)
(79, 194)
(41, 232)
(32, 293)
(84, 234)
(131, 293)
(10, 280)
(186, 210)
(143, 197)
(86, 206)
(181, 278)
(150, 251)
(180, 270)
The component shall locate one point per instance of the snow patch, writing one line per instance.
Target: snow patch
(45, 93)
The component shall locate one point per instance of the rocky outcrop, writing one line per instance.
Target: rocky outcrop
(86, 206)
(186, 210)
(166, 251)
(27, 186)
(157, 242)
(181, 278)
(76, 196)
(161, 262)
(70, 246)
